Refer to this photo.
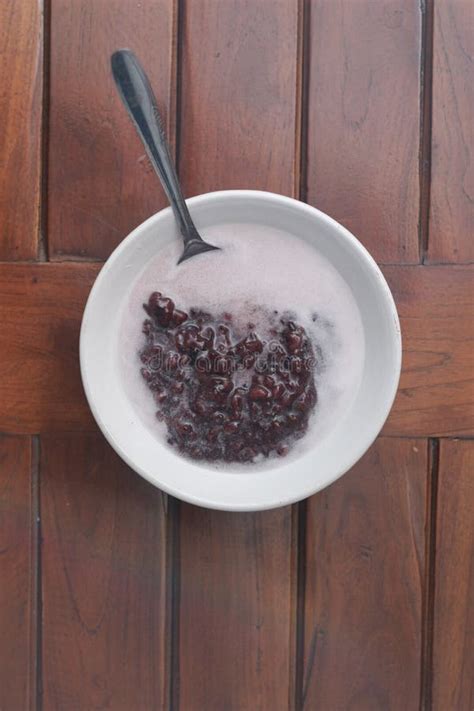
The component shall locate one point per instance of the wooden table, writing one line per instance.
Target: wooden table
(113, 596)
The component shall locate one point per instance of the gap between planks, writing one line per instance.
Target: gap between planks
(299, 681)
(43, 250)
(173, 583)
(302, 113)
(36, 616)
(426, 661)
(426, 106)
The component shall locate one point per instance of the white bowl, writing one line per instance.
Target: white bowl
(291, 480)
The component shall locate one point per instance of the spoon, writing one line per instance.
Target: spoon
(138, 98)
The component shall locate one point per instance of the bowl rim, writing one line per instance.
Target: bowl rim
(396, 342)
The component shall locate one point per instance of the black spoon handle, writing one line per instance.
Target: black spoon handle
(139, 100)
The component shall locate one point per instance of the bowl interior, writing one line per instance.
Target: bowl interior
(291, 480)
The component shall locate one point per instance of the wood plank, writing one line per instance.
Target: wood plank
(40, 311)
(40, 331)
(436, 394)
(21, 79)
(103, 580)
(41, 308)
(101, 184)
(364, 576)
(17, 576)
(239, 96)
(363, 121)
(239, 129)
(237, 576)
(452, 178)
(453, 643)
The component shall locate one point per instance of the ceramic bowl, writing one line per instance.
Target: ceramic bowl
(290, 480)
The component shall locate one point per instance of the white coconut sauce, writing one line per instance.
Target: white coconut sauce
(258, 269)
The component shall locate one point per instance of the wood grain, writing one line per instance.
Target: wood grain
(436, 393)
(17, 576)
(239, 96)
(103, 580)
(363, 121)
(453, 648)
(101, 184)
(364, 578)
(21, 82)
(451, 237)
(236, 593)
(40, 311)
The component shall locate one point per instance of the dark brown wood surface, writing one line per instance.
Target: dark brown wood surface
(453, 660)
(236, 603)
(21, 102)
(112, 595)
(100, 182)
(40, 313)
(364, 121)
(104, 642)
(436, 393)
(452, 174)
(365, 553)
(239, 91)
(18, 573)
